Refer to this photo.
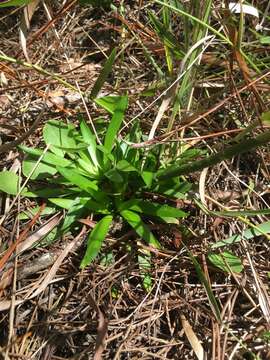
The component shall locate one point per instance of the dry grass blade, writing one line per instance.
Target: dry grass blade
(192, 338)
(5, 304)
(11, 145)
(11, 249)
(263, 297)
(24, 26)
(164, 106)
(52, 272)
(101, 330)
(39, 234)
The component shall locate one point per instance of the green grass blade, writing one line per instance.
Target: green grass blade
(115, 123)
(90, 139)
(75, 212)
(227, 153)
(144, 261)
(141, 229)
(165, 35)
(96, 239)
(74, 178)
(49, 158)
(103, 75)
(231, 213)
(199, 21)
(204, 281)
(82, 182)
(152, 209)
(248, 234)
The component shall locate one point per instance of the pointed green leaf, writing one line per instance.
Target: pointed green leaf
(144, 260)
(115, 123)
(90, 139)
(226, 261)
(108, 103)
(29, 213)
(42, 170)
(81, 181)
(125, 166)
(166, 35)
(9, 182)
(153, 209)
(207, 286)
(250, 233)
(148, 177)
(114, 175)
(75, 212)
(88, 168)
(103, 75)
(62, 202)
(141, 229)
(96, 239)
(91, 205)
(47, 158)
(60, 135)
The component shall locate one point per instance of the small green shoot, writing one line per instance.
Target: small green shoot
(226, 261)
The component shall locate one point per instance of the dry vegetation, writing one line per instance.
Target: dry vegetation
(50, 309)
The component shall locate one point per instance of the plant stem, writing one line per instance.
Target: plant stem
(228, 153)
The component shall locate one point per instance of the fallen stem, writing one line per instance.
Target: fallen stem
(227, 153)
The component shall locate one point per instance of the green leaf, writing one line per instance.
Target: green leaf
(90, 139)
(86, 132)
(42, 171)
(266, 335)
(207, 286)
(89, 204)
(87, 168)
(144, 260)
(47, 158)
(107, 259)
(153, 209)
(125, 166)
(29, 213)
(265, 117)
(60, 135)
(114, 176)
(141, 229)
(75, 212)
(170, 220)
(62, 202)
(115, 123)
(96, 239)
(14, 3)
(9, 182)
(81, 181)
(49, 192)
(166, 36)
(235, 213)
(226, 261)
(148, 177)
(171, 188)
(108, 103)
(260, 229)
(103, 75)
(265, 40)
